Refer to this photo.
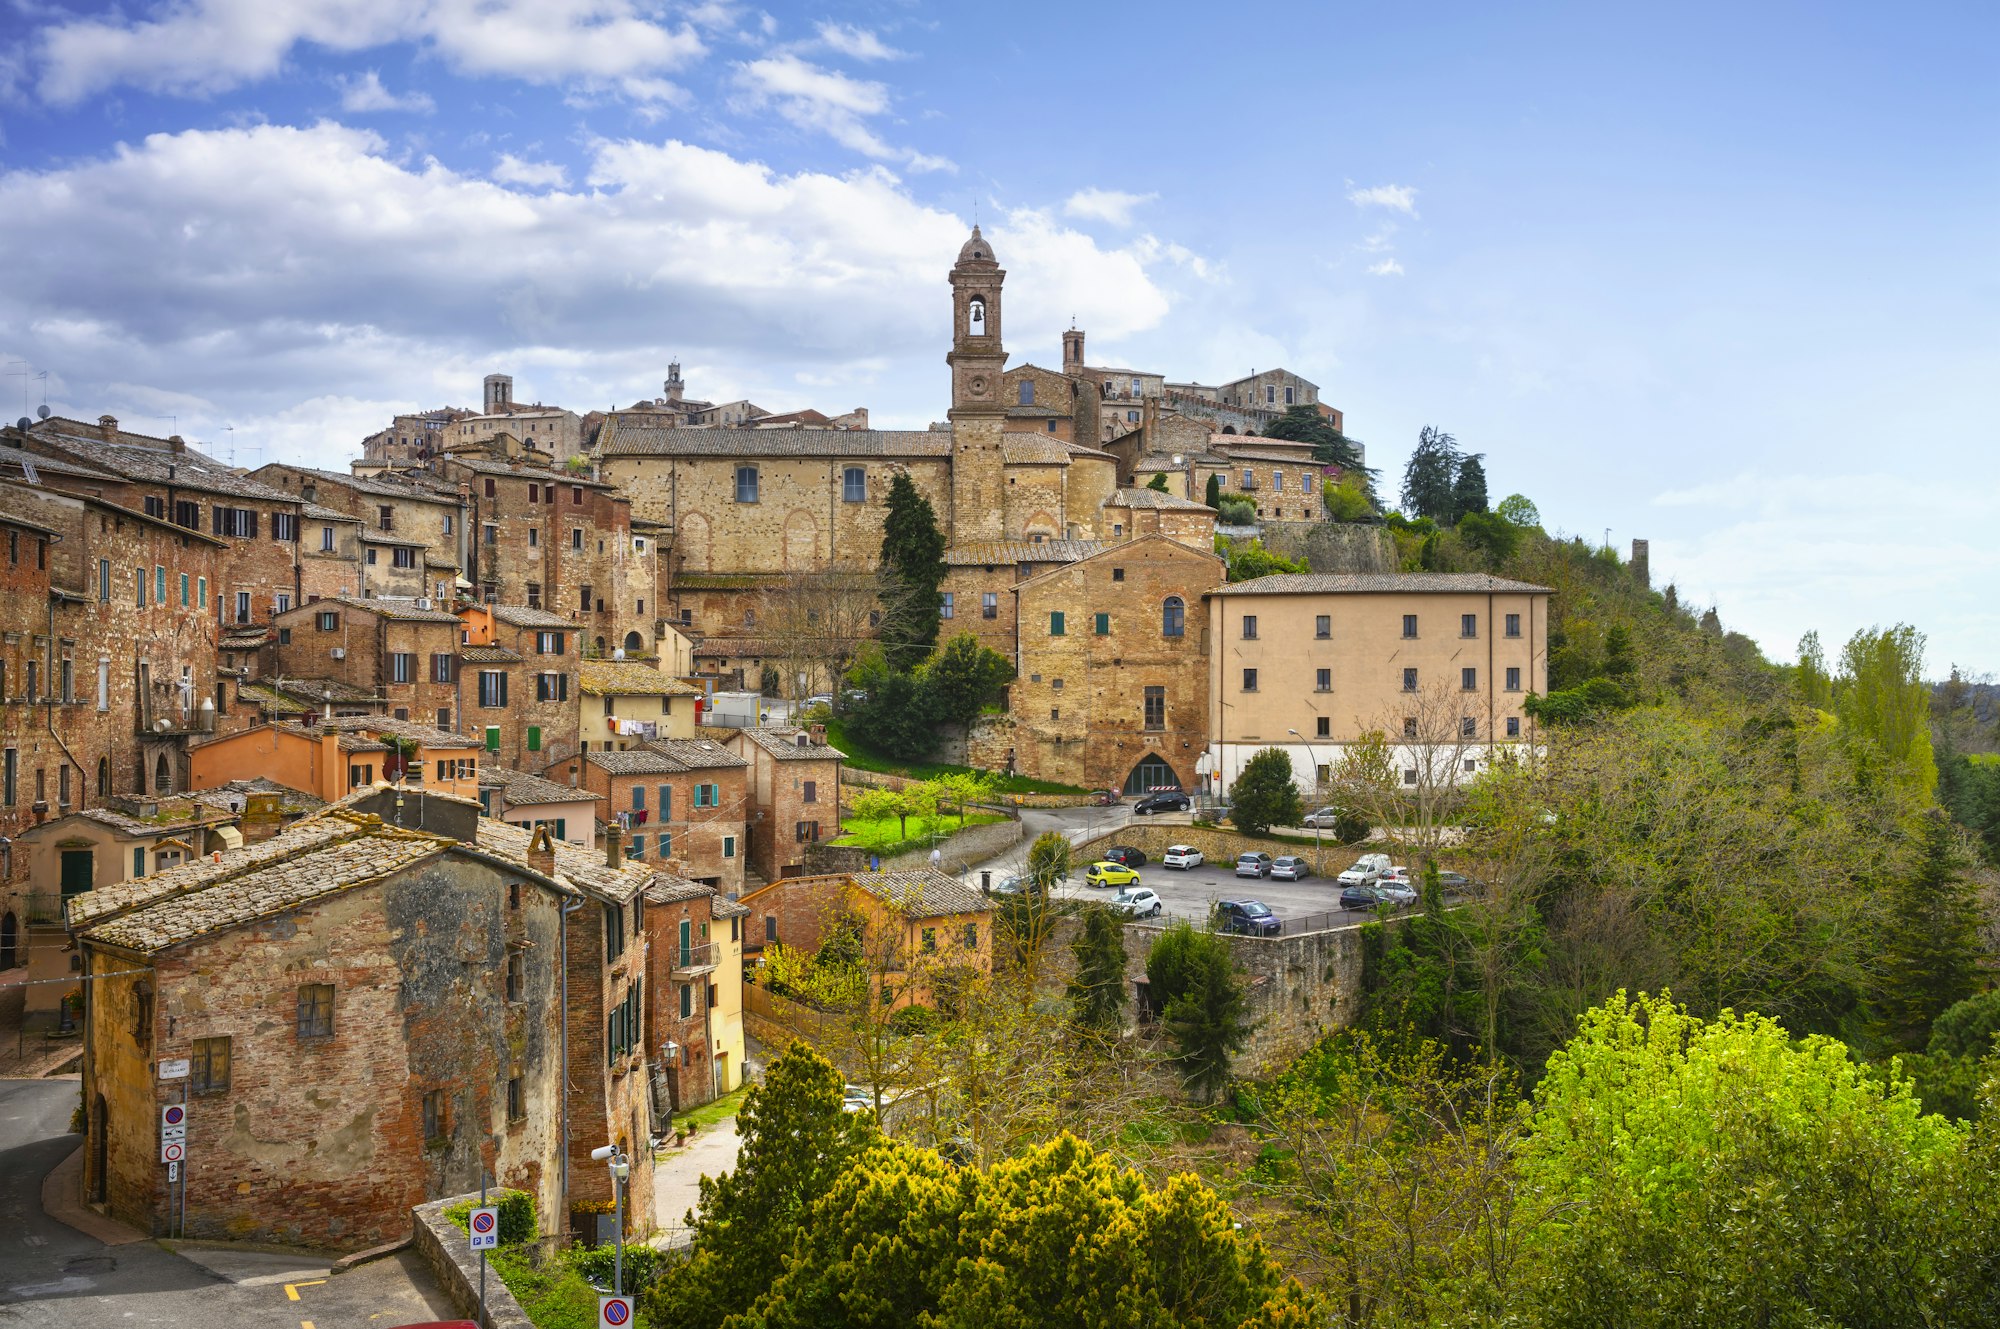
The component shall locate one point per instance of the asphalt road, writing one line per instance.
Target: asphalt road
(1191, 893)
(52, 1275)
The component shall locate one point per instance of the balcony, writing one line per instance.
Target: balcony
(44, 908)
(692, 961)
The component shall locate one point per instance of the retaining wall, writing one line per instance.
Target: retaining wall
(442, 1246)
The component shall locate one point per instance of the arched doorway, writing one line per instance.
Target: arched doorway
(163, 778)
(10, 941)
(1229, 429)
(1151, 773)
(634, 642)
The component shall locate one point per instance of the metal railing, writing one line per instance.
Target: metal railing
(702, 956)
(44, 907)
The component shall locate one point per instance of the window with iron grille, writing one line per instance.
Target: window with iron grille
(316, 1010)
(1409, 680)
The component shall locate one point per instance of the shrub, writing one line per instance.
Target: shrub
(1237, 511)
(598, 1264)
(517, 1215)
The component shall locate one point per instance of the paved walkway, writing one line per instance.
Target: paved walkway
(677, 1177)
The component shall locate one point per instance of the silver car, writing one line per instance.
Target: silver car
(1290, 869)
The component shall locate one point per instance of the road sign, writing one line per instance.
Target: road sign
(484, 1228)
(174, 1068)
(173, 1172)
(174, 1114)
(173, 1134)
(173, 1151)
(614, 1312)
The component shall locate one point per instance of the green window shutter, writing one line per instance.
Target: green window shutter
(1104, 625)
(534, 738)
(493, 738)
(1056, 623)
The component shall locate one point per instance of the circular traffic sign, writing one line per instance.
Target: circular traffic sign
(173, 1153)
(174, 1115)
(482, 1222)
(617, 1311)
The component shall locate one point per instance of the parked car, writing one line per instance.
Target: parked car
(1401, 874)
(1290, 868)
(1396, 892)
(1138, 902)
(1162, 800)
(853, 1098)
(1360, 897)
(1366, 869)
(1016, 885)
(1126, 854)
(1253, 865)
(1323, 819)
(1110, 874)
(1457, 882)
(1250, 918)
(1105, 798)
(1182, 856)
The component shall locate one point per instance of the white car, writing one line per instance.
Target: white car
(1366, 871)
(1138, 902)
(1181, 856)
(1398, 875)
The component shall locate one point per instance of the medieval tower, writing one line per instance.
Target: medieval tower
(977, 359)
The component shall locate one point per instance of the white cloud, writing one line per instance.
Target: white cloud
(231, 271)
(856, 43)
(1387, 267)
(358, 96)
(1396, 198)
(1105, 205)
(828, 102)
(512, 170)
(202, 47)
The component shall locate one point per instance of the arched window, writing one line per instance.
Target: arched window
(975, 317)
(634, 642)
(1173, 617)
(1027, 392)
(163, 780)
(1229, 429)
(104, 777)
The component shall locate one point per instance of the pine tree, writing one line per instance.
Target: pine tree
(912, 570)
(1097, 993)
(1468, 491)
(1431, 476)
(1192, 978)
(1930, 939)
(1213, 494)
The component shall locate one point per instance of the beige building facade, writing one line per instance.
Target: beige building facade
(1308, 663)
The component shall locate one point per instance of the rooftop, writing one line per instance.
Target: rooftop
(923, 893)
(84, 444)
(620, 438)
(521, 788)
(1380, 583)
(1153, 498)
(783, 743)
(634, 761)
(521, 616)
(582, 868)
(696, 754)
(198, 873)
(630, 678)
(997, 553)
(403, 611)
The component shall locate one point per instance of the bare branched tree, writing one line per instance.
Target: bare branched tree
(816, 622)
(1407, 774)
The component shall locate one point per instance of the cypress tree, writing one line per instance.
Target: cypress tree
(1930, 940)
(912, 570)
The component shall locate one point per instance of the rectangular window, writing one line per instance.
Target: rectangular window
(1249, 478)
(806, 831)
(208, 1068)
(989, 604)
(1409, 680)
(1290, 395)
(1409, 726)
(947, 605)
(1468, 679)
(1468, 625)
(10, 778)
(444, 667)
(402, 667)
(549, 643)
(1156, 708)
(972, 936)
(139, 584)
(1409, 625)
(1468, 727)
(729, 846)
(1513, 726)
(809, 791)
(403, 556)
(1323, 626)
(854, 485)
(201, 592)
(492, 688)
(326, 539)
(1323, 680)
(103, 685)
(1409, 775)
(284, 602)
(284, 526)
(666, 802)
(1324, 729)
(1249, 627)
(1513, 678)
(534, 538)
(746, 484)
(1056, 623)
(327, 621)
(159, 585)
(104, 579)
(638, 798)
(243, 606)
(1103, 625)
(636, 849)
(1277, 482)
(517, 1100)
(552, 687)
(1270, 395)
(1249, 680)
(930, 941)
(1513, 625)
(316, 1010)
(434, 1123)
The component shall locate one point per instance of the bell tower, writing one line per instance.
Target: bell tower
(978, 416)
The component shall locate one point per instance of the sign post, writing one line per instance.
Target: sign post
(614, 1312)
(173, 1148)
(483, 1226)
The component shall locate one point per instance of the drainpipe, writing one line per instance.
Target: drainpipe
(567, 908)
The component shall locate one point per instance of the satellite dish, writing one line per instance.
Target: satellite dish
(23, 423)
(43, 410)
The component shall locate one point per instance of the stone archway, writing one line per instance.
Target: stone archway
(1152, 772)
(634, 643)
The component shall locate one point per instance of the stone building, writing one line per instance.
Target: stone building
(519, 675)
(528, 801)
(549, 429)
(680, 804)
(695, 974)
(333, 758)
(793, 787)
(916, 927)
(1111, 683)
(1131, 513)
(980, 579)
(399, 651)
(412, 439)
(412, 535)
(1440, 663)
(623, 703)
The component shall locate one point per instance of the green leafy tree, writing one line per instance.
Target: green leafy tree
(1212, 495)
(1253, 560)
(796, 1141)
(1930, 945)
(1881, 696)
(873, 804)
(961, 677)
(1265, 794)
(1492, 537)
(1097, 992)
(896, 719)
(1346, 500)
(1519, 510)
(1048, 859)
(1192, 979)
(1814, 683)
(1430, 477)
(1236, 510)
(913, 569)
(1468, 490)
(1968, 1028)
(1159, 481)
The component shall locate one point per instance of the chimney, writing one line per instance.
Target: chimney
(177, 443)
(107, 428)
(818, 733)
(542, 852)
(614, 845)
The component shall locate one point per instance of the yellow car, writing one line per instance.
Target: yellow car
(1110, 874)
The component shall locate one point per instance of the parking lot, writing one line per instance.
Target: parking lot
(1190, 894)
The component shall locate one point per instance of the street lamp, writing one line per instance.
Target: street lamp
(1319, 856)
(620, 1170)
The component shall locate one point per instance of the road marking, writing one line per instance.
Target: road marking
(305, 1324)
(292, 1289)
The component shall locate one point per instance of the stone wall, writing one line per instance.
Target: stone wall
(441, 1244)
(1333, 547)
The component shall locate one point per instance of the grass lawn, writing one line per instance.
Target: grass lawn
(884, 835)
(864, 758)
(708, 1114)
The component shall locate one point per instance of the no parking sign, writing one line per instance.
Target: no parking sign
(614, 1312)
(484, 1228)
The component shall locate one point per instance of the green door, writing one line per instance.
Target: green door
(79, 871)
(687, 948)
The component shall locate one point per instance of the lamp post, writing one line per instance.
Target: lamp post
(1319, 855)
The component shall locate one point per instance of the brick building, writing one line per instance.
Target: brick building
(793, 791)
(412, 526)
(333, 758)
(519, 678)
(396, 650)
(528, 801)
(682, 803)
(916, 926)
(695, 973)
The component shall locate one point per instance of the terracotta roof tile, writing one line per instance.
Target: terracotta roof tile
(1404, 583)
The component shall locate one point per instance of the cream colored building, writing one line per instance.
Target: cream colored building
(1307, 663)
(626, 703)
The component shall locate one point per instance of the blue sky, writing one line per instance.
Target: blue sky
(1719, 276)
